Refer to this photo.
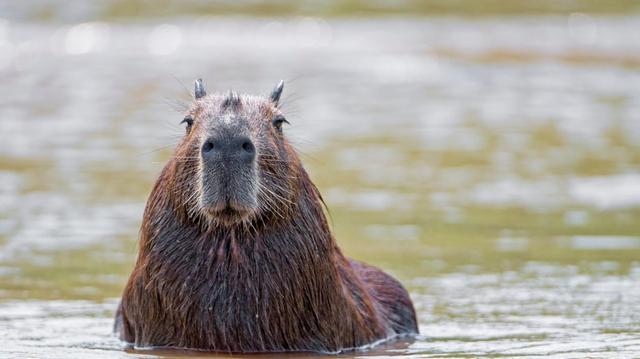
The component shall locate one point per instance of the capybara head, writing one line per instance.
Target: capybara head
(234, 163)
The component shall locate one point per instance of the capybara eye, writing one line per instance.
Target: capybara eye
(189, 121)
(278, 121)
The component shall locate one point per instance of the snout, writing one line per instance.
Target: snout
(237, 148)
(229, 176)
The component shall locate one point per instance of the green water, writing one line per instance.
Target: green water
(498, 180)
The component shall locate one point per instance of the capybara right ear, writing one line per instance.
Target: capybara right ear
(199, 91)
(277, 91)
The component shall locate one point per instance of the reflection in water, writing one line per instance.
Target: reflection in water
(604, 242)
(497, 178)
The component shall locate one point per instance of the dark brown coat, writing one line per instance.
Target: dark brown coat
(276, 282)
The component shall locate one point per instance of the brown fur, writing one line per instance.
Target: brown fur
(273, 280)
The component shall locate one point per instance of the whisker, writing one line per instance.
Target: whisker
(268, 202)
(273, 177)
(186, 89)
(281, 200)
(286, 191)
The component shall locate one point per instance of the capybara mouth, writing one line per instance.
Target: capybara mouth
(229, 202)
(228, 214)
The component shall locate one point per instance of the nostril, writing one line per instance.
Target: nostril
(248, 147)
(208, 146)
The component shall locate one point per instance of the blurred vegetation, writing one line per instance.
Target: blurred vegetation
(123, 9)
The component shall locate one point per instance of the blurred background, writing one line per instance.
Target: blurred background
(487, 153)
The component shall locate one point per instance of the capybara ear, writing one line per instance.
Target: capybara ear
(199, 91)
(277, 91)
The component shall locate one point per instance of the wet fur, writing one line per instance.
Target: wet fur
(274, 281)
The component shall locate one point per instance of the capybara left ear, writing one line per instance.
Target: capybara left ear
(199, 91)
(277, 91)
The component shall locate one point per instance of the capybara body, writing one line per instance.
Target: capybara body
(235, 251)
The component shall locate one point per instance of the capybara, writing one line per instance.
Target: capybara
(235, 252)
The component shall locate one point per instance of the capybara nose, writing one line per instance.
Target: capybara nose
(239, 147)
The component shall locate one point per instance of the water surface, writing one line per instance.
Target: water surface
(492, 165)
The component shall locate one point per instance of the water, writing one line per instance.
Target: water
(492, 165)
